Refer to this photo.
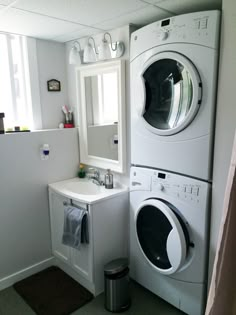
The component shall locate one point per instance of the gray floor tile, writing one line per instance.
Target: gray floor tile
(143, 303)
(12, 304)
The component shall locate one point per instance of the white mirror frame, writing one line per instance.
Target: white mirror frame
(91, 70)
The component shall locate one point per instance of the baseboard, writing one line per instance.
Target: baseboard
(24, 273)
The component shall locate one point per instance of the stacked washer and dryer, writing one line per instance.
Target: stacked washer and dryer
(173, 89)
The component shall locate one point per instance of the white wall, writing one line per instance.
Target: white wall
(24, 213)
(225, 119)
(51, 65)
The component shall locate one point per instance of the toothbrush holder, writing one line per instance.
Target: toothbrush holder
(69, 121)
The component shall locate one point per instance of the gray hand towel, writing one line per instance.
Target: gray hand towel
(84, 230)
(75, 223)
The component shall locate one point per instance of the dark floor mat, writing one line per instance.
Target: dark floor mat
(52, 292)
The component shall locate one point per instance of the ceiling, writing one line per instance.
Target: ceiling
(65, 20)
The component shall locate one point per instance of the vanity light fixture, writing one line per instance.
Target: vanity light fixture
(90, 52)
(74, 55)
(105, 51)
(106, 48)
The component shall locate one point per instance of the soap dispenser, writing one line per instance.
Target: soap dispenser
(108, 182)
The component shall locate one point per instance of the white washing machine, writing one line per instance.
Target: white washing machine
(173, 88)
(169, 218)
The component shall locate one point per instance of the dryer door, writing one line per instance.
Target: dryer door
(160, 236)
(171, 93)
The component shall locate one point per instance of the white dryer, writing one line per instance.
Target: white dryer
(173, 88)
(169, 218)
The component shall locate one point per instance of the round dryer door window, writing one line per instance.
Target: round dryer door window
(172, 89)
(161, 236)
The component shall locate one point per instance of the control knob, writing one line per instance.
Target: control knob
(164, 35)
(160, 187)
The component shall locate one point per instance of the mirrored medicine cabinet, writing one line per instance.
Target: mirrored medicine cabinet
(101, 111)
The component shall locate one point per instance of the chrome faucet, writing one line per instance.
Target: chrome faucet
(95, 176)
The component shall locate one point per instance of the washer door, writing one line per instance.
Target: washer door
(171, 93)
(160, 236)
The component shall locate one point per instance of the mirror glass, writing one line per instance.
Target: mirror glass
(101, 92)
(101, 113)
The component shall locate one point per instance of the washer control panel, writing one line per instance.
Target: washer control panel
(168, 184)
(165, 184)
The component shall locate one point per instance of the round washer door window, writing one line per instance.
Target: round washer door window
(160, 236)
(172, 93)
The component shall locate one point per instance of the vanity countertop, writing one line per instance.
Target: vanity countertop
(84, 190)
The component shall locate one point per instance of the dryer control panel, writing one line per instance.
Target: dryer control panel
(199, 28)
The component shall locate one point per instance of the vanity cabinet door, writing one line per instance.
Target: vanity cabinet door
(82, 259)
(57, 223)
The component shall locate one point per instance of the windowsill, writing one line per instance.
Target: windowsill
(17, 131)
(36, 131)
(54, 129)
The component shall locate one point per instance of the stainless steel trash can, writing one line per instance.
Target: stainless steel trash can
(116, 277)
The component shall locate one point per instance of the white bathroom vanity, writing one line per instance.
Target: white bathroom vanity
(107, 224)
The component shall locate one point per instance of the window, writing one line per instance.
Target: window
(15, 91)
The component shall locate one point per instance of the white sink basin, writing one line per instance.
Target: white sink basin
(83, 188)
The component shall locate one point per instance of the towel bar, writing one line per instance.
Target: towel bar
(65, 203)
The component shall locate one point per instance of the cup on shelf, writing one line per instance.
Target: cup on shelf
(69, 121)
